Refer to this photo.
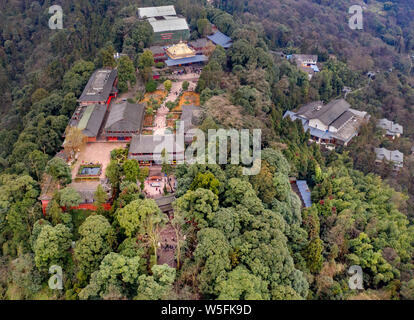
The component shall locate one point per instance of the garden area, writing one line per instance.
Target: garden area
(187, 98)
(89, 171)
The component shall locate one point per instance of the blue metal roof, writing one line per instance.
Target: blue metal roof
(318, 133)
(304, 192)
(315, 68)
(195, 59)
(221, 39)
(294, 117)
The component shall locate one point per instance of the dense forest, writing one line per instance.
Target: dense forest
(238, 237)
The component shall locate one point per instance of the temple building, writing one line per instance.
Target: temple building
(148, 150)
(89, 119)
(335, 123)
(221, 39)
(124, 120)
(392, 130)
(306, 63)
(167, 26)
(179, 51)
(181, 54)
(158, 52)
(101, 88)
(190, 117)
(394, 156)
(201, 46)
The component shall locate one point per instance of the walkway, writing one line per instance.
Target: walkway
(166, 254)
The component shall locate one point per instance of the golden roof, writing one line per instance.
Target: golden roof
(180, 50)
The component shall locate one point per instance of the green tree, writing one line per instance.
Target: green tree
(39, 94)
(95, 243)
(157, 286)
(77, 77)
(126, 73)
(59, 170)
(206, 181)
(142, 217)
(242, 285)
(167, 85)
(116, 273)
(212, 255)
(101, 197)
(151, 86)
(198, 207)
(203, 27)
(37, 162)
(262, 181)
(69, 104)
(69, 198)
(185, 85)
(146, 59)
(166, 163)
(54, 211)
(18, 209)
(131, 170)
(113, 173)
(51, 246)
(108, 59)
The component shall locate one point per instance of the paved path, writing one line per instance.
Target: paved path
(160, 121)
(166, 254)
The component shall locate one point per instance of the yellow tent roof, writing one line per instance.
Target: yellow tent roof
(180, 50)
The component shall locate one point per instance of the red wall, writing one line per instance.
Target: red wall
(85, 206)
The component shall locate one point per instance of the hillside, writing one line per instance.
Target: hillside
(124, 226)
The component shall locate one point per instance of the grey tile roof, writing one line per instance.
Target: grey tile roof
(395, 156)
(303, 57)
(149, 12)
(189, 116)
(99, 86)
(332, 111)
(391, 127)
(221, 39)
(125, 117)
(344, 118)
(157, 50)
(150, 144)
(309, 110)
(169, 25)
(337, 114)
(95, 121)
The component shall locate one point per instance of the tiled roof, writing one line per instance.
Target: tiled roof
(149, 12)
(125, 117)
(92, 119)
(330, 112)
(183, 61)
(154, 144)
(391, 127)
(344, 118)
(169, 25)
(304, 193)
(99, 86)
(395, 156)
(221, 39)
